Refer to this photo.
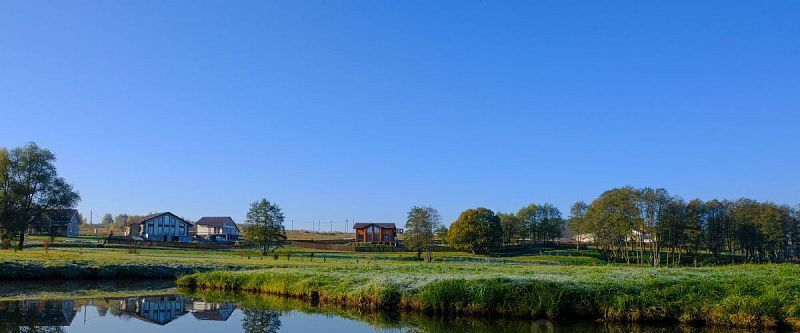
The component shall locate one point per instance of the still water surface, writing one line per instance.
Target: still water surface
(176, 311)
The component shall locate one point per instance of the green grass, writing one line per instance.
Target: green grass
(747, 295)
(547, 283)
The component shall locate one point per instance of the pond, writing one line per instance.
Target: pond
(142, 306)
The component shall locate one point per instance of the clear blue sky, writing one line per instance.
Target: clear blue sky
(361, 109)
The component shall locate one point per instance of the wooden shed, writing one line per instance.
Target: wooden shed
(381, 233)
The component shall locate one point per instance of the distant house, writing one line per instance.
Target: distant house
(57, 222)
(217, 228)
(212, 311)
(159, 310)
(165, 227)
(385, 233)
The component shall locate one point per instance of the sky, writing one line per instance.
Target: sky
(358, 110)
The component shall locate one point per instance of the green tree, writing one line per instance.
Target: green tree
(476, 230)
(511, 227)
(529, 221)
(419, 230)
(610, 218)
(31, 187)
(107, 220)
(264, 225)
(120, 220)
(441, 233)
(576, 222)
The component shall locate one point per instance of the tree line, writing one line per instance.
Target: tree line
(643, 226)
(650, 226)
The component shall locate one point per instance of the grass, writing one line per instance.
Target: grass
(551, 284)
(745, 296)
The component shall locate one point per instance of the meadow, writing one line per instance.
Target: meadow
(542, 284)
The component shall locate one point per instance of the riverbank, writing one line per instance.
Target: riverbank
(542, 284)
(742, 296)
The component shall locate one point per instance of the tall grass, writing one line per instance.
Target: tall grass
(745, 296)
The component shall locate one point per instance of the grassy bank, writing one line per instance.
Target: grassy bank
(747, 296)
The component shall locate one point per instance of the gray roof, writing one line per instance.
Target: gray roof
(214, 221)
(152, 216)
(382, 225)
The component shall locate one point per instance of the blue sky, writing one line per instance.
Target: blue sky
(360, 109)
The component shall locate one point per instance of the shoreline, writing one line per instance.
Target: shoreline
(489, 297)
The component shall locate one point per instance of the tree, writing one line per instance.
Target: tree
(441, 233)
(610, 218)
(120, 220)
(261, 321)
(476, 230)
(264, 225)
(107, 220)
(576, 221)
(529, 221)
(31, 187)
(511, 226)
(419, 230)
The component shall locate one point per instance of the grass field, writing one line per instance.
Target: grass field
(553, 284)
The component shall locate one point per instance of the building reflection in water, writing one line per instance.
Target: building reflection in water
(36, 313)
(159, 310)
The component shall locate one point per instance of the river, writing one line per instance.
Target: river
(143, 306)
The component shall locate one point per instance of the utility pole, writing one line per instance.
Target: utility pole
(90, 217)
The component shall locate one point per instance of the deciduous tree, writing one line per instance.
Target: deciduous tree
(476, 230)
(264, 225)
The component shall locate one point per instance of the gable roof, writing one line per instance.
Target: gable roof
(61, 214)
(152, 216)
(382, 225)
(215, 221)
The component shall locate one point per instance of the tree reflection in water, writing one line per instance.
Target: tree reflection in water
(261, 321)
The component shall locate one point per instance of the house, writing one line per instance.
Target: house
(36, 313)
(385, 233)
(212, 311)
(165, 227)
(57, 222)
(159, 310)
(221, 228)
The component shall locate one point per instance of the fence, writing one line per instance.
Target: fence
(323, 246)
(180, 245)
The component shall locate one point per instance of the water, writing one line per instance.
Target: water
(120, 307)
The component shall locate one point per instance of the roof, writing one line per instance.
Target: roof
(382, 225)
(62, 214)
(152, 216)
(57, 217)
(214, 221)
(212, 315)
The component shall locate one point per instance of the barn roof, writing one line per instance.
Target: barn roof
(380, 224)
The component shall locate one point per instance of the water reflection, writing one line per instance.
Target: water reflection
(215, 312)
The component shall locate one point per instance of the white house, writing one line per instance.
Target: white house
(165, 227)
(217, 228)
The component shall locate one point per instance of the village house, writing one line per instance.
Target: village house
(218, 228)
(382, 233)
(165, 227)
(57, 222)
